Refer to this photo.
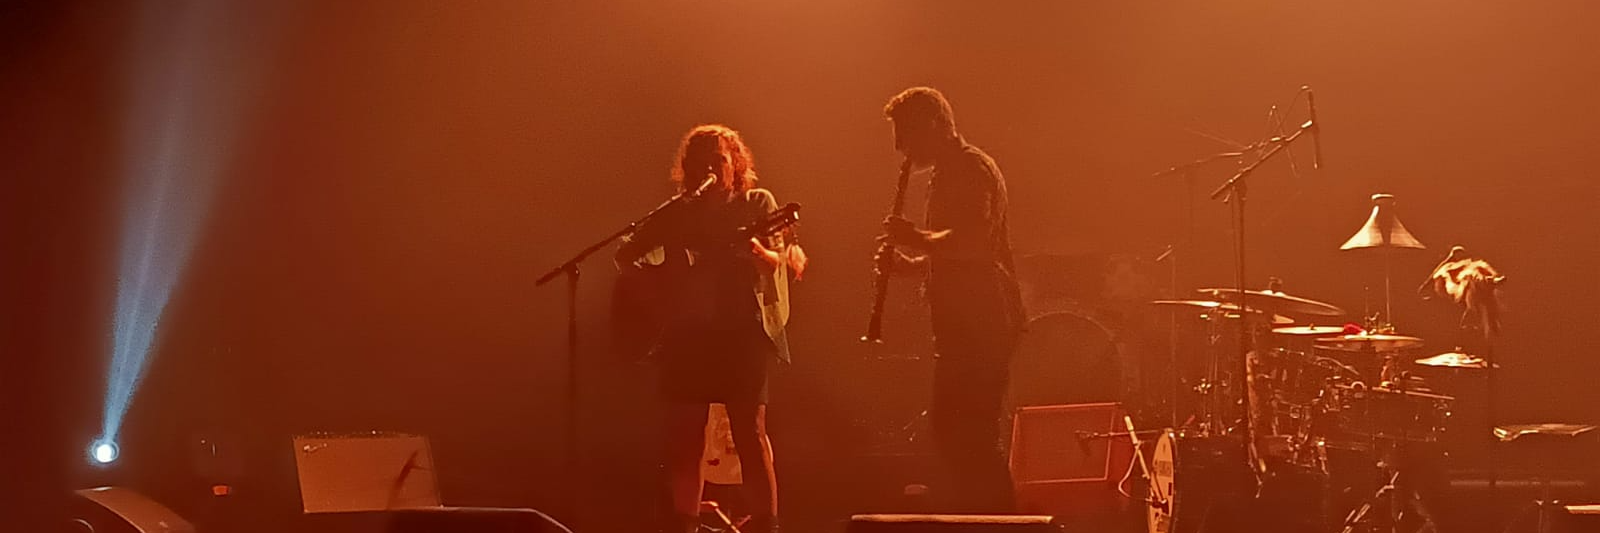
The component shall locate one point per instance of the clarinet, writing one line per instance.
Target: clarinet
(881, 284)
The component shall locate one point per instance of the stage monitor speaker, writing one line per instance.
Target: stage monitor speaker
(472, 520)
(371, 471)
(121, 510)
(947, 523)
(1065, 462)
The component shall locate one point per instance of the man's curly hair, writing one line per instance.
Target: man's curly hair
(922, 103)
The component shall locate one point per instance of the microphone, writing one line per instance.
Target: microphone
(711, 179)
(1165, 253)
(1314, 126)
(1083, 439)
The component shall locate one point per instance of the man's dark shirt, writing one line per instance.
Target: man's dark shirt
(972, 288)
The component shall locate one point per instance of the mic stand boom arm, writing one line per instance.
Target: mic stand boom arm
(1278, 144)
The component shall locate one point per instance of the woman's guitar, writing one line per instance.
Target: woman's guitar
(642, 300)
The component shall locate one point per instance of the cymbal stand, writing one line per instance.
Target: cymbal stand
(1212, 387)
(1174, 255)
(1175, 389)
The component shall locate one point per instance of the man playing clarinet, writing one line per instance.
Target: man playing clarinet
(963, 249)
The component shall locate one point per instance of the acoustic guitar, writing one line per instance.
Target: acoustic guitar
(642, 299)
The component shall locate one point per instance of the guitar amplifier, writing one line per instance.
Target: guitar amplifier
(1063, 462)
(371, 471)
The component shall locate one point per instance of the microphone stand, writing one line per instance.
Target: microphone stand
(1234, 191)
(571, 272)
(1174, 255)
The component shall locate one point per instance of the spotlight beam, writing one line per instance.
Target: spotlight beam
(183, 87)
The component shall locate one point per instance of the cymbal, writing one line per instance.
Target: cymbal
(1231, 310)
(1369, 343)
(1276, 302)
(1198, 304)
(1309, 331)
(1383, 229)
(1455, 360)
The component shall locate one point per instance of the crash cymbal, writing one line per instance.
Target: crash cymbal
(1309, 331)
(1228, 309)
(1455, 360)
(1276, 302)
(1197, 304)
(1369, 342)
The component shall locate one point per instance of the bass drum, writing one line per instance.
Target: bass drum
(1198, 483)
(1065, 358)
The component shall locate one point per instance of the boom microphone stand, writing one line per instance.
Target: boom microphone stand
(569, 268)
(1234, 191)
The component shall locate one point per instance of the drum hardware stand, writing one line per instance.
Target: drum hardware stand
(1391, 494)
(1209, 387)
(1397, 499)
(1176, 391)
(1544, 475)
(1174, 255)
(569, 269)
(1489, 405)
(1541, 509)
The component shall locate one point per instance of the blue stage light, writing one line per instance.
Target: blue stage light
(103, 451)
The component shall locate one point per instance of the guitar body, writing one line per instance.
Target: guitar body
(645, 298)
(640, 307)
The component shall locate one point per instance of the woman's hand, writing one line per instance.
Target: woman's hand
(764, 257)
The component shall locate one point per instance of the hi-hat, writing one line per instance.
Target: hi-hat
(1276, 302)
(1383, 229)
(1455, 360)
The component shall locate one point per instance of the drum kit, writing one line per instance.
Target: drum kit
(1324, 410)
